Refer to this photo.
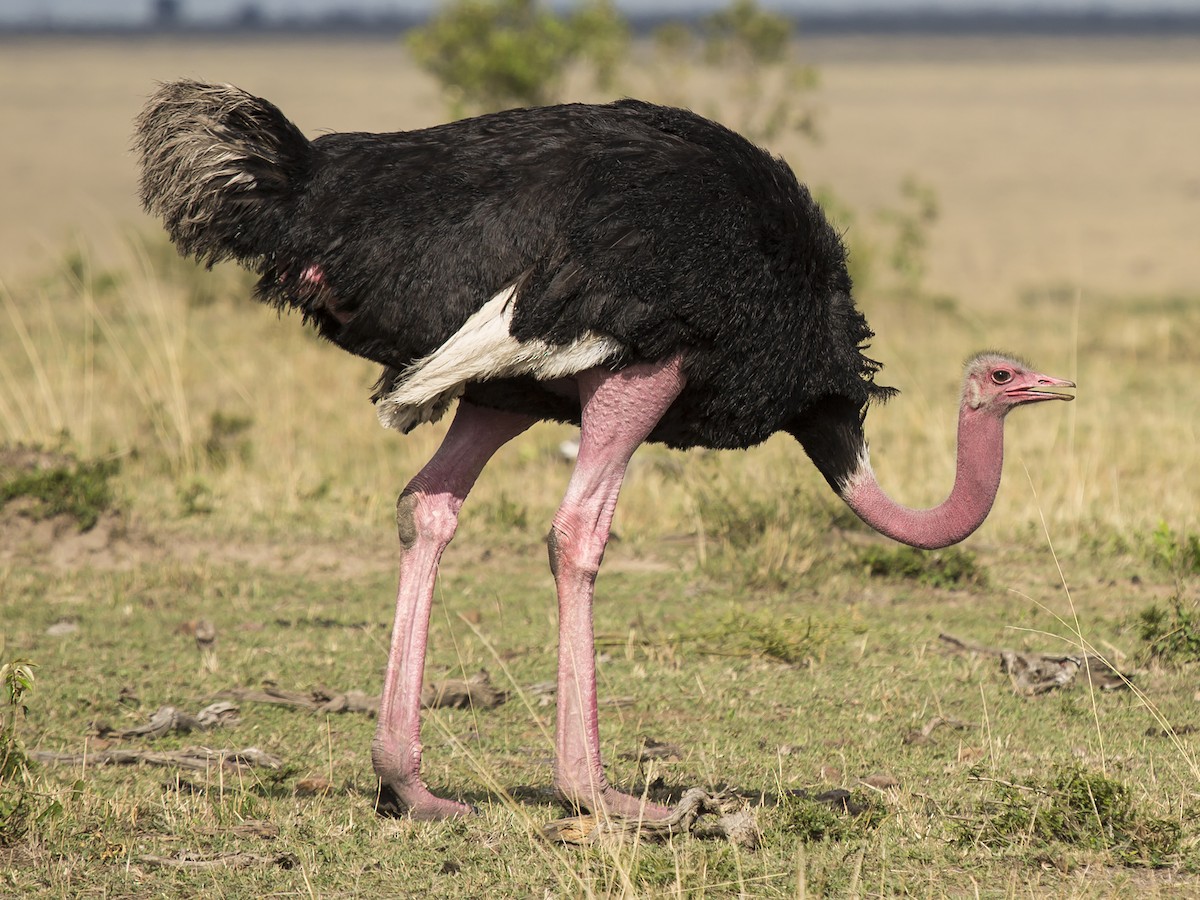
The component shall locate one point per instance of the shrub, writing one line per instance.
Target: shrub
(753, 46)
(1171, 635)
(835, 816)
(950, 568)
(1080, 809)
(1175, 552)
(494, 54)
(57, 484)
(19, 804)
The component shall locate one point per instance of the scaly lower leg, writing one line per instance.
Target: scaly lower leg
(426, 518)
(620, 409)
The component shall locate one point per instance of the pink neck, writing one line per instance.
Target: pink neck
(980, 459)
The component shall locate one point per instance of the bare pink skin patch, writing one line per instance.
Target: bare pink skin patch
(312, 285)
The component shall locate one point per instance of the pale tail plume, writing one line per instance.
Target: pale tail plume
(219, 167)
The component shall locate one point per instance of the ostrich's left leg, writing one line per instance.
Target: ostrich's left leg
(620, 409)
(426, 518)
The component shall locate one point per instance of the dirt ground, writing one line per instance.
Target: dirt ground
(1054, 161)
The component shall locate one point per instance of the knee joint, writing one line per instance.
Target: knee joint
(567, 551)
(417, 516)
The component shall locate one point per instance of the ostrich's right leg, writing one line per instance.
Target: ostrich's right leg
(426, 518)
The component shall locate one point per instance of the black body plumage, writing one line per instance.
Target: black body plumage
(650, 225)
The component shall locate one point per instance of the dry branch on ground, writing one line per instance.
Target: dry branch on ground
(1037, 673)
(201, 758)
(168, 719)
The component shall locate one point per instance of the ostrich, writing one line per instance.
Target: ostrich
(634, 269)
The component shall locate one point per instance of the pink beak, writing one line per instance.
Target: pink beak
(1041, 387)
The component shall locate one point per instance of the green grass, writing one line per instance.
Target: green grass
(1075, 808)
(78, 489)
(949, 568)
(742, 615)
(744, 720)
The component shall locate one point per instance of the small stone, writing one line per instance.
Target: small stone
(880, 781)
(313, 786)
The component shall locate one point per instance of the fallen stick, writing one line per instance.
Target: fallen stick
(167, 719)
(476, 691)
(201, 758)
(924, 735)
(225, 861)
(1038, 673)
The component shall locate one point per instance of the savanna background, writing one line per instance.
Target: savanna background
(196, 498)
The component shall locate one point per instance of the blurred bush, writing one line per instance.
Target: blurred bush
(495, 54)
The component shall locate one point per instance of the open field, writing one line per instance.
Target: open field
(743, 615)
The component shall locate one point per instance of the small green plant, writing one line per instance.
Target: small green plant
(55, 484)
(761, 536)
(949, 568)
(1078, 808)
(506, 514)
(847, 818)
(784, 638)
(494, 54)
(16, 681)
(196, 498)
(1175, 552)
(1172, 635)
(77, 270)
(861, 251)
(201, 287)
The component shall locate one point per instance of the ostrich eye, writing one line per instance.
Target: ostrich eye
(1002, 376)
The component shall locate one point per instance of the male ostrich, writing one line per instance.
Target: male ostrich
(634, 269)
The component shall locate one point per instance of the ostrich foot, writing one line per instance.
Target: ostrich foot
(414, 801)
(736, 823)
(604, 800)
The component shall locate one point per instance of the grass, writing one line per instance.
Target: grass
(940, 569)
(1075, 808)
(77, 489)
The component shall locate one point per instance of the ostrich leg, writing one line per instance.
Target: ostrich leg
(619, 410)
(426, 518)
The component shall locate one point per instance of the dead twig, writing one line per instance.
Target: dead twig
(1037, 673)
(167, 719)
(476, 691)
(201, 758)
(319, 699)
(651, 749)
(187, 860)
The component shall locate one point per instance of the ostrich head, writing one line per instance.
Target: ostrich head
(997, 383)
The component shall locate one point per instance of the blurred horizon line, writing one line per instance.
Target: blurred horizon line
(251, 21)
